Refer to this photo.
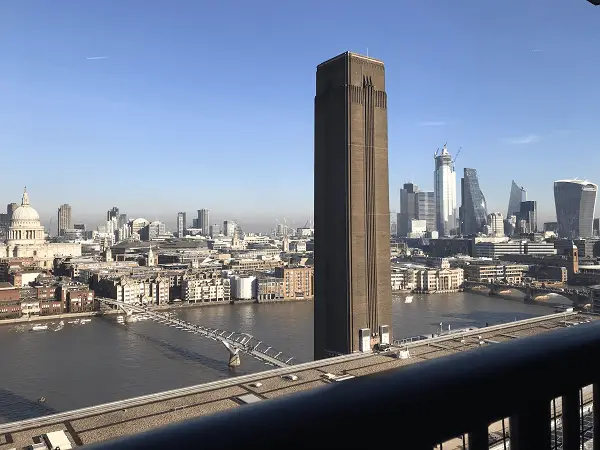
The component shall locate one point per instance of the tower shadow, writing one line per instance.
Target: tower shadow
(14, 407)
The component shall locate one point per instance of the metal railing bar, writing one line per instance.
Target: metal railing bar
(517, 379)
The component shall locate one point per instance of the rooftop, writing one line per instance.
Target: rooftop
(355, 55)
(576, 181)
(103, 422)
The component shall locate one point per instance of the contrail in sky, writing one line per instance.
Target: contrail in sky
(97, 57)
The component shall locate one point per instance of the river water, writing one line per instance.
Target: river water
(103, 361)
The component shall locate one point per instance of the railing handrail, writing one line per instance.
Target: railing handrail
(425, 403)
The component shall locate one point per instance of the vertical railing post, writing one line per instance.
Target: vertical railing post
(571, 423)
(478, 437)
(596, 402)
(531, 425)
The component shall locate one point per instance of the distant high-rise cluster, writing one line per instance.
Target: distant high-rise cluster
(418, 219)
(417, 211)
(521, 215)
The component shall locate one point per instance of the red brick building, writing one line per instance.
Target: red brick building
(8, 265)
(297, 281)
(77, 298)
(10, 302)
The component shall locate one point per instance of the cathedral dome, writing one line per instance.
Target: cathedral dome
(25, 214)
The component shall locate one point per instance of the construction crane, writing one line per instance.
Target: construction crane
(435, 155)
(285, 227)
(456, 156)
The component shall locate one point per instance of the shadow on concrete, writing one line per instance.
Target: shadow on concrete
(480, 318)
(13, 407)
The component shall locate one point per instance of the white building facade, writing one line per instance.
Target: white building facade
(495, 224)
(445, 194)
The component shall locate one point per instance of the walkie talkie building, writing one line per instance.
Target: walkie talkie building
(575, 202)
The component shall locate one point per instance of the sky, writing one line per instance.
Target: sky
(167, 106)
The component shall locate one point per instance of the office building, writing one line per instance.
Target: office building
(112, 213)
(517, 195)
(495, 223)
(426, 209)
(181, 224)
(408, 208)
(473, 209)
(229, 228)
(596, 227)
(445, 193)
(203, 221)
(575, 201)
(415, 204)
(353, 301)
(153, 230)
(496, 249)
(214, 230)
(528, 217)
(10, 208)
(64, 219)
(122, 221)
(551, 226)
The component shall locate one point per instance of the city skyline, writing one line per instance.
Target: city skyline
(478, 87)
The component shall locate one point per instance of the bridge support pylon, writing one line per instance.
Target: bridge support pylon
(128, 314)
(234, 355)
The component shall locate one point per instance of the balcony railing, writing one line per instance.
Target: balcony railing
(422, 405)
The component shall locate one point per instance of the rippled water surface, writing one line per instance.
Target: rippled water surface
(102, 361)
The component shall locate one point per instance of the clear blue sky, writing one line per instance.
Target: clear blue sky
(210, 104)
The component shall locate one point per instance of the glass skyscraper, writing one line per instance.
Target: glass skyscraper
(473, 210)
(575, 201)
(517, 195)
(445, 193)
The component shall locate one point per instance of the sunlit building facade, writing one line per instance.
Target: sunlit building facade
(473, 210)
(575, 202)
(517, 195)
(445, 194)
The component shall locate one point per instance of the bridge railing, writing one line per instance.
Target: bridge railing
(248, 343)
(421, 405)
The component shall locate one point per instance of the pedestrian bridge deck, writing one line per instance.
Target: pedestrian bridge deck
(102, 422)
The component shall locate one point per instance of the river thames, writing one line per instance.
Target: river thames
(103, 361)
